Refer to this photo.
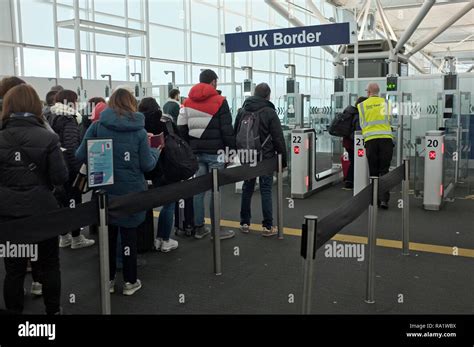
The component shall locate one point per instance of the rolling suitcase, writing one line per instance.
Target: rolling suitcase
(345, 165)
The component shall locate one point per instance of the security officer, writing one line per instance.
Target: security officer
(374, 117)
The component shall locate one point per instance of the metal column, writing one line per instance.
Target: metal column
(406, 209)
(216, 222)
(77, 38)
(280, 197)
(308, 252)
(104, 252)
(370, 289)
(400, 140)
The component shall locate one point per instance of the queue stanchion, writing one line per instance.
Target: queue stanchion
(216, 222)
(308, 252)
(406, 209)
(280, 196)
(373, 207)
(104, 252)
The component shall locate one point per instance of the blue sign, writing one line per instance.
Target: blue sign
(100, 162)
(315, 35)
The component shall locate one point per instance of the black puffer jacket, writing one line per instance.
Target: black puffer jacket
(65, 122)
(269, 125)
(23, 192)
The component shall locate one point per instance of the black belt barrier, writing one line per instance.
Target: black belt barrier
(42, 227)
(352, 209)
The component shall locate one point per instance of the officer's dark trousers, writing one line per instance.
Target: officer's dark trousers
(379, 154)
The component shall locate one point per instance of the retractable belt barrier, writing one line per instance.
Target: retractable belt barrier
(42, 227)
(316, 233)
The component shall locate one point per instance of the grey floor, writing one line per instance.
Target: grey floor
(266, 276)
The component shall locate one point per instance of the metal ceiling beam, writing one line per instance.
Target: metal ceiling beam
(316, 12)
(364, 19)
(282, 11)
(430, 37)
(417, 5)
(387, 22)
(471, 68)
(384, 24)
(425, 8)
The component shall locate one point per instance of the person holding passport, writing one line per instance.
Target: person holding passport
(155, 125)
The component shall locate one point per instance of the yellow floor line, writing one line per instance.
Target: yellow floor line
(414, 246)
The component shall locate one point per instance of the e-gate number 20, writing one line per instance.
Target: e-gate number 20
(432, 143)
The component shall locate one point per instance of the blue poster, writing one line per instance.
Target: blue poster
(314, 35)
(100, 162)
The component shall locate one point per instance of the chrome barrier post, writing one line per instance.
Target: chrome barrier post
(308, 252)
(280, 196)
(400, 140)
(216, 221)
(406, 209)
(104, 252)
(373, 207)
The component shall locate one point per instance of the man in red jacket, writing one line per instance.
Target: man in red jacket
(205, 122)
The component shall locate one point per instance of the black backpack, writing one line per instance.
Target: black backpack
(177, 160)
(341, 125)
(248, 132)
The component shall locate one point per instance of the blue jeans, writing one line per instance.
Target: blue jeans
(265, 184)
(165, 220)
(207, 162)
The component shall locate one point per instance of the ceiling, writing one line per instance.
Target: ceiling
(458, 40)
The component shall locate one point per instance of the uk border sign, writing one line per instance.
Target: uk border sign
(307, 36)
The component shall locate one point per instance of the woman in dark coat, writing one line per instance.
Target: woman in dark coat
(31, 163)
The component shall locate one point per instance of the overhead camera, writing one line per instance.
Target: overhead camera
(238, 29)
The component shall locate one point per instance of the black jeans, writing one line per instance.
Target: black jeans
(129, 252)
(265, 184)
(70, 193)
(188, 221)
(47, 272)
(379, 154)
(350, 172)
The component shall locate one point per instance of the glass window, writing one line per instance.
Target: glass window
(260, 10)
(39, 63)
(235, 5)
(115, 7)
(261, 60)
(109, 19)
(205, 49)
(204, 18)
(110, 44)
(300, 63)
(281, 58)
(67, 64)
(134, 9)
(37, 22)
(158, 73)
(232, 21)
(167, 12)
(316, 67)
(112, 66)
(135, 46)
(167, 43)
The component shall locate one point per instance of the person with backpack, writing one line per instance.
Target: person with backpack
(352, 115)
(156, 123)
(26, 189)
(132, 157)
(64, 120)
(205, 122)
(257, 128)
(172, 105)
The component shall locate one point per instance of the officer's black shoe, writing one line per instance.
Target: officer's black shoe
(384, 205)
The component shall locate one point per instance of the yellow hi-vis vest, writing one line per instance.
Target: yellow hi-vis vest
(374, 118)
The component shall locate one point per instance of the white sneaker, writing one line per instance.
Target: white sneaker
(81, 242)
(131, 288)
(169, 245)
(245, 228)
(269, 232)
(65, 240)
(158, 243)
(112, 286)
(36, 289)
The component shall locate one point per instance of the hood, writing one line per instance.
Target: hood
(127, 122)
(255, 103)
(101, 106)
(61, 109)
(201, 92)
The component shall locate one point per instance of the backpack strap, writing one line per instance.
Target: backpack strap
(169, 127)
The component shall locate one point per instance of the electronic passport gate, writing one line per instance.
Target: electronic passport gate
(305, 179)
(434, 171)
(361, 165)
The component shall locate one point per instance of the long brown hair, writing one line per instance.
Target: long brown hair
(8, 83)
(123, 102)
(22, 98)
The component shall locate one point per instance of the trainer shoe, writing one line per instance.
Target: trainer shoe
(131, 288)
(384, 205)
(81, 242)
(36, 289)
(245, 228)
(65, 240)
(179, 232)
(112, 286)
(158, 243)
(201, 232)
(225, 234)
(269, 232)
(169, 245)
